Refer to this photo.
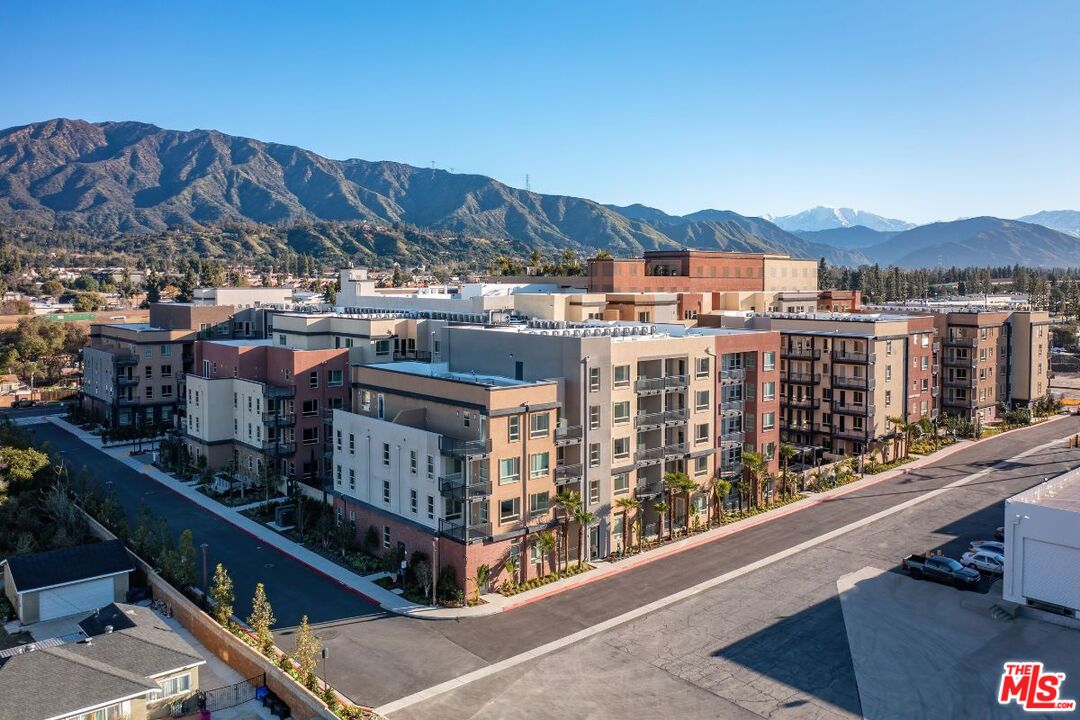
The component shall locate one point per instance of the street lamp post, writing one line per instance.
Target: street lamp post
(326, 677)
(205, 572)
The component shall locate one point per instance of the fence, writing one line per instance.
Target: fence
(220, 698)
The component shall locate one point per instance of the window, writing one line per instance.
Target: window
(149, 371)
(413, 501)
(701, 465)
(621, 376)
(309, 408)
(166, 371)
(888, 372)
(594, 379)
(166, 350)
(620, 483)
(620, 448)
(768, 421)
(280, 339)
(148, 351)
(352, 478)
(386, 454)
(352, 444)
(701, 400)
(888, 347)
(338, 440)
(333, 378)
(594, 454)
(431, 467)
(166, 391)
(888, 398)
(768, 360)
(509, 510)
(172, 686)
(382, 347)
(430, 507)
(337, 474)
(594, 491)
(249, 404)
(413, 462)
(539, 465)
(539, 503)
(513, 428)
(509, 470)
(702, 367)
(701, 433)
(594, 417)
(386, 537)
(620, 413)
(310, 435)
(386, 491)
(539, 424)
(466, 419)
(768, 390)
(313, 379)
(149, 392)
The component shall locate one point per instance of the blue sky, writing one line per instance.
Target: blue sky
(917, 110)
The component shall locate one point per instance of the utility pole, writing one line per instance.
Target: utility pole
(434, 569)
(205, 572)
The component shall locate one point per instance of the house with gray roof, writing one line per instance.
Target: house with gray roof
(129, 665)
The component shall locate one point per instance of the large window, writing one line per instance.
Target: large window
(172, 686)
(594, 379)
(513, 428)
(768, 421)
(333, 378)
(509, 510)
(701, 400)
(702, 368)
(310, 435)
(309, 408)
(118, 711)
(539, 503)
(539, 425)
(539, 465)
(620, 448)
(620, 483)
(620, 412)
(768, 360)
(621, 376)
(509, 470)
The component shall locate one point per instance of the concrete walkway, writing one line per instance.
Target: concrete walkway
(494, 603)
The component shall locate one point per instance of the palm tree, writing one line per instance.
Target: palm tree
(567, 503)
(661, 507)
(547, 541)
(897, 424)
(681, 484)
(787, 454)
(720, 489)
(584, 518)
(755, 465)
(626, 504)
(512, 570)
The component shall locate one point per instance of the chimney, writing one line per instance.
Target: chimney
(108, 629)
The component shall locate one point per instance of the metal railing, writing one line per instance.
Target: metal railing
(850, 433)
(455, 484)
(660, 453)
(956, 361)
(733, 374)
(568, 473)
(958, 382)
(731, 405)
(847, 356)
(458, 530)
(801, 402)
(127, 381)
(732, 437)
(853, 382)
(279, 391)
(278, 420)
(961, 341)
(416, 355)
(125, 359)
(649, 490)
(801, 378)
(455, 447)
(676, 382)
(567, 435)
(279, 447)
(852, 409)
(676, 417)
(728, 470)
(649, 385)
(644, 420)
(798, 353)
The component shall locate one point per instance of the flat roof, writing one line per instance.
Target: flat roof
(442, 371)
(1061, 492)
(838, 317)
(137, 327)
(245, 343)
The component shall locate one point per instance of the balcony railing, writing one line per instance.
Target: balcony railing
(798, 353)
(649, 490)
(278, 420)
(731, 405)
(936, 347)
(279, 391)
(566, 474)
(967, 402)
(965, 382)
(454, 484)
(455, 447)
(733, 374)
(850, 433)
(801, 402)
(567, 435)
(676, 417)
(801, 378)
(649, 385)
(852, 409)
(961, 342)
(849, 356)
(730, 470)
(731, 437)
(660, 453)
(854, 382)
(125, 359)
(415, 355)
(673, 383)
(956, 361)
(126, 381)
(279, 447)
(458, 530)
(654, 420)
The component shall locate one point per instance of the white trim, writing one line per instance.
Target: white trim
(179, 669)
(99, 706)
(71, 582)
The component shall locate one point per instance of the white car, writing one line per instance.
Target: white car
(984, 561)
(988, 546)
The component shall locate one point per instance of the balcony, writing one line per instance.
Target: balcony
(811, 403)
(566, 435)
(675, 383)
(847, 356)
(731, 405)
(455, 447)
(657, 454)
(853, 382)
(961, 342)
(934, 391)
(279, 447)
(731, 437)
(125, 360)
(127, 380)
(649, 421)
(279, 391)
(852, 409)
(676, 417)
(955, 361)
(966, 402)
(798, 353)
(127, 401)
(278, 420)
(858, 434)
(568, 474)
(458, 530)
(936, 347)
(733, 375)
(649, 386)
(958, 382)
(731, 470)
(413, 355)
(801, 378)
(455, 485)
(649, 491)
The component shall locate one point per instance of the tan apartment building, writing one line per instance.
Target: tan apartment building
(370, 337)
(844, 376)
(701, 271)
(648, 400)
(459, 464)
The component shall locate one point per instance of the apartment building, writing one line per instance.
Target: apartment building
(649, 399)
(844, 376)
(467, 461)
(701, 271)
(261, 409)
(245, 297)
(370, 337)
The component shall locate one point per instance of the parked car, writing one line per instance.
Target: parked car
(984, 561)
(942, 569)
(999, 534)
(24, 403)
(994, 546)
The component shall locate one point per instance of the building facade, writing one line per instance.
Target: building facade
(701, 271)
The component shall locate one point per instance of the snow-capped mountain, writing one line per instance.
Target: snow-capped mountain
(1066, 221)
(826, 218)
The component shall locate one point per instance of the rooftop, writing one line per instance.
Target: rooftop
(136, 327)
(35, 571)
(837, 317)
(1062, 492)
(259, 342)
(442, 371)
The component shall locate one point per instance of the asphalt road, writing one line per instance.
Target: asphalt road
(376, 658)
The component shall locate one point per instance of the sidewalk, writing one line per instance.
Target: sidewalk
(495, 602)
(346, 578)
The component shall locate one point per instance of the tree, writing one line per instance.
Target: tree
(584, 518)
(482, 574)
(222, 596)
(547, 541)
(421, 571)
(186, 573)
(307, 654)
(755, 466)
(720, 489)
(185, 289)
(260, 620)
(680, 484)
(153, 288)
(787, 454)
(661, 507)
(567, 502)
(625, 504)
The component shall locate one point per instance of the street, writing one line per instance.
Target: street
(775, 630)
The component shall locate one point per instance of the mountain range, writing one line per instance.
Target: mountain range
(130, 177)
